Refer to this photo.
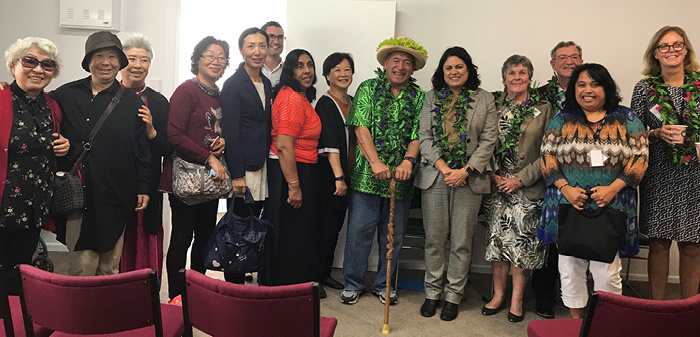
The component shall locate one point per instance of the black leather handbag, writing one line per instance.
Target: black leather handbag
(237, 243)
(592, 236)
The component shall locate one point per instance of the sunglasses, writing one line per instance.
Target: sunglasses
(31, 62)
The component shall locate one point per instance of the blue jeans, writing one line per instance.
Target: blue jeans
(369, 213)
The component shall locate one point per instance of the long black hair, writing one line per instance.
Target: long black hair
(287, 76)
(599, 74)
(473, 81)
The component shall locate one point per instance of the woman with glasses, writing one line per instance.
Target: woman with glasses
(30, 140)
(246, 106)
(293, 208)
(194, 130)
(666, 101)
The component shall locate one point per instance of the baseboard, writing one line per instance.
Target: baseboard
(56, 247)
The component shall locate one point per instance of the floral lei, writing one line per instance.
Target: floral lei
(455, 157)
(513, 131)
(389, 141)
(680, 154)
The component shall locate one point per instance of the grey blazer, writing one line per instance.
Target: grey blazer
(482, 136)
(529, 151)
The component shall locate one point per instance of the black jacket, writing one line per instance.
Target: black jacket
(160, 148)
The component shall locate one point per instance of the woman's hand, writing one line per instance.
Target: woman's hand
(575, 195)
(509, 185)
(603, 195)
(219, 169)
(60, 146)
(238, 185)
(147, 118)
(294, 198)
(340, 188)
(667, 133)
(141, 202)
(456, 178)
(218, 146)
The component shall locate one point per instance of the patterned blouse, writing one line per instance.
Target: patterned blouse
(569, 139)
(25, 200)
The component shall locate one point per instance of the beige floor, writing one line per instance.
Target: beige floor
(366, 317)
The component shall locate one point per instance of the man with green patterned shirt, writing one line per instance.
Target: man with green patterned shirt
(385, 115)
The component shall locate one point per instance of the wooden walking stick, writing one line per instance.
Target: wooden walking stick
(389, 252)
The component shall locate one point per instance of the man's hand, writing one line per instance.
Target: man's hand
(381, 171)
(404, 170)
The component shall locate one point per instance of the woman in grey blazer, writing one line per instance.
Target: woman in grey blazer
(515, 207)
(458, 132)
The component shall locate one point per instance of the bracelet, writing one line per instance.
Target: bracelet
(342, 177)
(293, 182)
(562, 186)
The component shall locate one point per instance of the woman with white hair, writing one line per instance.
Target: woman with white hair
(30, 140)
(143, 239)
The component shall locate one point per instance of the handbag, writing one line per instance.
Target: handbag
(590, 235)
(194, 183)
(68, 195)
(237, 243)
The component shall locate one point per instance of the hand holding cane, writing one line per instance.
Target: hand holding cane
(389, 252)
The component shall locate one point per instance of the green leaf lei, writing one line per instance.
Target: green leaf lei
(680, 154)
(455, 157)
(389, 141)
(513, 131)
(552, 93)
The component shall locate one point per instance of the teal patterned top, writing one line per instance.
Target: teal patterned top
(366, 111)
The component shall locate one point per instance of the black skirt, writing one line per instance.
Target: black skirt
(292, 244)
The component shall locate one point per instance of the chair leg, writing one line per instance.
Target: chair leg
(626, 281)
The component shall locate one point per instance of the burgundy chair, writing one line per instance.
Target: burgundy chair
(126, 304)
(11, 323)
(220, 309)
(616, 315)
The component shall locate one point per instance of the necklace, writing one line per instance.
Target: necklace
(681, 154)
(552, 93)
(453, 153)
(511, 135)
(390, 140)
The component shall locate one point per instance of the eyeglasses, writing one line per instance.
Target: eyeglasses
(574, 57)
(277, 37)
(31, 62)
(665, 48)
(212, 58)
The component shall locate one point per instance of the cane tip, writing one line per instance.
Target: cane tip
(385, 329)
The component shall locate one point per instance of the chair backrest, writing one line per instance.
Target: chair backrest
(616, 315)
(90, 304)
(220, 308)
(5, 315)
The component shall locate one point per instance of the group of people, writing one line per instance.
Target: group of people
(516, 155)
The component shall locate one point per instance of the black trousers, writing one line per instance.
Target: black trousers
(17, 246)
(331, 224)
(188, 221)
(241, 209)
(544, 280)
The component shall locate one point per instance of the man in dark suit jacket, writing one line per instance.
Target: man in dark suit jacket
(566, 56)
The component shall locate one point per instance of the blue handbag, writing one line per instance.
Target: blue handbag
(237, 243)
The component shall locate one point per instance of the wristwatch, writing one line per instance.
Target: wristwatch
(469, 169)
(412, 160)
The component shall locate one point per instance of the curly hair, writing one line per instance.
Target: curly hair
(201, 47)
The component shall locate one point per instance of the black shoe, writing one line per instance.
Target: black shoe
(321, 292)
(488, 311)
(513, 318)
(428, 307)
(544, 310)
(449, 311)
(333, 284)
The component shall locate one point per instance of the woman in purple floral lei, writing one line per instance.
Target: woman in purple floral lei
(458, 133)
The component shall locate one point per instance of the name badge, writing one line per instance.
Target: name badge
(655, 111)
(537, 112)
(596, 158)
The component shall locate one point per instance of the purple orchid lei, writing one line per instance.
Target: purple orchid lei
(453, 153)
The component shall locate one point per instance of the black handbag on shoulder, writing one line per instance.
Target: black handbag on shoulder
(237, 243)
(591, 236)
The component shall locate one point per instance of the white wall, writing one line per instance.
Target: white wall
(613, 33)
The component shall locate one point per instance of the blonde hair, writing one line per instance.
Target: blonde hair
(18, 49)
(652, 65)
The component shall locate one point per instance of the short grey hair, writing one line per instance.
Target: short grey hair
(563, 44)
(514, 60)
(138, 41)
(20, 48)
